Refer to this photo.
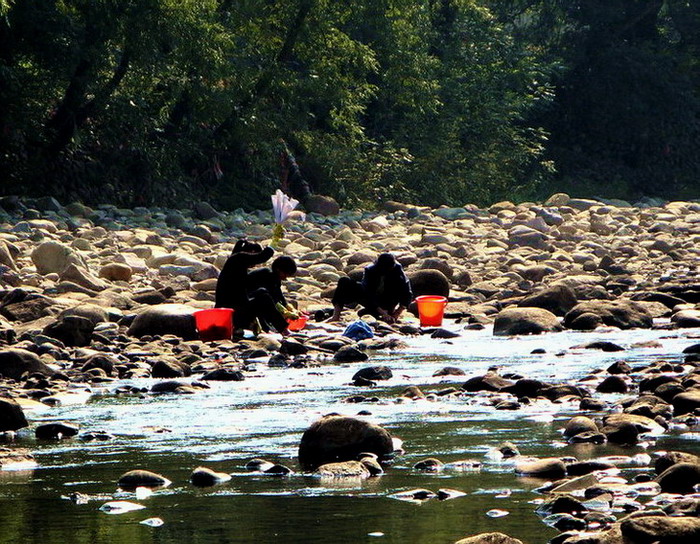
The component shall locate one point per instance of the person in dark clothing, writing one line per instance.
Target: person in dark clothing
(234, 291)
(270, 280)
(384, 292)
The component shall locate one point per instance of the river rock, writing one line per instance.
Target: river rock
(336, 438)
(380, 372)
(224, 375)
(679, 478)
(80, 276)
(50, 257)
(621, 314)
(516, 321)
(489, 538)
(94, 313)
(14, 362)
(349, 469)
(625, 428)
(525, 387)
(431, 464)
(551, 467)
(556, 392)
(429, 282)
(686, 402)
(21, 305)
(170, 369)
(103, 361)
(349, 354)
(661, 529)
(11, 415)
(438, 264)
(523, 236)
(14, 456)
(71, 330)
(141, 478)
(670, 458)
(206, 477)
(579, 424)
(324, 205)
(490, 381)
(686, 318)
(163, 319)
(558, 299)
(6, 257)
(613, 384)
(116, 272)
(56, 431)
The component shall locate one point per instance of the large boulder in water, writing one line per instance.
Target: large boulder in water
(429, 282)
(618, 313)
(15, 362)
(679, 478)
(11, 416)
(335, 438)
(514, 321)
(558, 299)
(163, 319)
(686, 402)
(661, 529)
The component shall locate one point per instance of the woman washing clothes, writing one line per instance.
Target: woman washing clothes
(233, 289)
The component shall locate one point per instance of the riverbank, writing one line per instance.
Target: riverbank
(74, 280)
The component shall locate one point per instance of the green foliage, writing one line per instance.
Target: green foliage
(430, 101)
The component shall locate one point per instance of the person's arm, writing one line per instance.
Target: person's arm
(251, 259)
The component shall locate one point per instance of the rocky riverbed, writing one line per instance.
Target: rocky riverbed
(102, 299)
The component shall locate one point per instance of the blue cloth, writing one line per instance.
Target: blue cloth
(358, 330)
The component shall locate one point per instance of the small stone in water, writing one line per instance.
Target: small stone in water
(495, 513)
(152, 522)
(120, 507)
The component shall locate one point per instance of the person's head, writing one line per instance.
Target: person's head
(385, 262)
(245, 246)
(284, 266)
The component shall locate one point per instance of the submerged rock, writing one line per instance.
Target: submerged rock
(489, 538)
(12, 416)
(142, 478)
(336, 438)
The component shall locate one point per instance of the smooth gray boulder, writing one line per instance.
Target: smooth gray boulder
(516, 321)
(163, 319)
(618, 313)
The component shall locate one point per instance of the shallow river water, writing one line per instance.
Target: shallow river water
(265, 415)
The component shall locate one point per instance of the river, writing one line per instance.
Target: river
(265, 415)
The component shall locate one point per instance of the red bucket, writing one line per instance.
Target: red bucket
(431, 309)
(214, 324)
(298, 323)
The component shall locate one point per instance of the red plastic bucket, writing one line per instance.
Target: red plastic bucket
(298, 323)
(431, 308)
(214, 324)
